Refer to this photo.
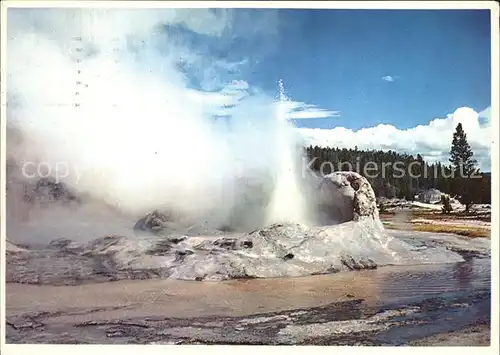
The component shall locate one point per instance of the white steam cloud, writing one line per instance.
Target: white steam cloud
(102, 92)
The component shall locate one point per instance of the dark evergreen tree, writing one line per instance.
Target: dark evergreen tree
(461, 154)
(390, 182)
(464, 166)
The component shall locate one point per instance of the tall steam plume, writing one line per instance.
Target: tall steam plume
(103, 96)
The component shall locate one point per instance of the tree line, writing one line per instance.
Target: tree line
(402, 175)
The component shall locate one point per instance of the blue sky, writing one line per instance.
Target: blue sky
(436, 61)
(439, 60)
(403, 68)
(378, 79)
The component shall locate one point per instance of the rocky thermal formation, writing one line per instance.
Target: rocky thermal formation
(12, 248)
(200, 252)
(41, 191)
(276, 251)
(347, 196)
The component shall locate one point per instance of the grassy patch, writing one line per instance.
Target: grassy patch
(467, 231)
(454, 215)
(434, 215)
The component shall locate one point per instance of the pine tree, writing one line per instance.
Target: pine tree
(461, 153)
(464, 165)
(438, 175)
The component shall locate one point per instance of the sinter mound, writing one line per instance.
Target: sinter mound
(279, 250)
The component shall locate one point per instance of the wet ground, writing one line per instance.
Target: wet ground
(432, 304)
(388, 306)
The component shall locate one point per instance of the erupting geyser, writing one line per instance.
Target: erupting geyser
(139, 138)
(287, 201)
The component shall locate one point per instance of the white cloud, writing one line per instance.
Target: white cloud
(432, 141)
(296, 110)
(301, 111)
(486, 114)
(312, 113)
(224, 102)
(389, 78)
